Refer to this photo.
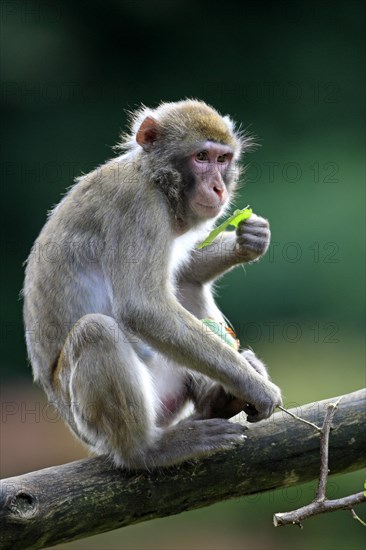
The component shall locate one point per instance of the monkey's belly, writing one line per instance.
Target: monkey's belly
(172, 409)
(170, 383)
(172, 393)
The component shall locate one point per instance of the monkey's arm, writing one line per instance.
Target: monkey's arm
(154, 314)
(144, 303)
(248, 243)
(174, 332)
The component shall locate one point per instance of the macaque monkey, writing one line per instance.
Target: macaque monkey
(115, 289)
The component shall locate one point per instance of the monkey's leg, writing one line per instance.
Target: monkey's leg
(110, 392)
(114, 405)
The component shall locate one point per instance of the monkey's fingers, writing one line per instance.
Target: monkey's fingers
(231, 408)
(251, 412)
(256, 221)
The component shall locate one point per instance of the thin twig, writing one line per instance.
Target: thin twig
(324, 451)
(355, 516)
(299, 418)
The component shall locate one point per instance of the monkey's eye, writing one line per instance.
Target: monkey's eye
(222, 158)
(202, 156)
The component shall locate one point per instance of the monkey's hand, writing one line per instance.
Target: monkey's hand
(261, 395)
(216, 402)
(266, 395)
(263, 398)
(252, 238)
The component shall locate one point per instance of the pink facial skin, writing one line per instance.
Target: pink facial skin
(209, 163)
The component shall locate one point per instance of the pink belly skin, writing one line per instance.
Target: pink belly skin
(171, 406)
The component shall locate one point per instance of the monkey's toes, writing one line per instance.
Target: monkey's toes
(218, 433)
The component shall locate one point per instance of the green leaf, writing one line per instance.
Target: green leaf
(220, 331)
(234, 219)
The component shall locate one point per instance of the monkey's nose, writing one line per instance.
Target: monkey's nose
(219, 191)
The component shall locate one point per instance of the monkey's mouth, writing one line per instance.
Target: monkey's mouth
(207, 210)
(215, 207)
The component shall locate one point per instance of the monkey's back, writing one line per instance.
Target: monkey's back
(64, 279)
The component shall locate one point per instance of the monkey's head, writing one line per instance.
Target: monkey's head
(191, 152)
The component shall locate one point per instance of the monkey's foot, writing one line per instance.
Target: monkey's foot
(211, 434)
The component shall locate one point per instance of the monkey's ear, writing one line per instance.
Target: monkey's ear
(148, 133)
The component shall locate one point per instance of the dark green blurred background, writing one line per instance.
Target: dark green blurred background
(290, 72)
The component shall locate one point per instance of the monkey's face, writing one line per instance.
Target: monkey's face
(196, 176)
(208, 166)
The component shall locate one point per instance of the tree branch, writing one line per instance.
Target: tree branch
(318, 507)
(87, 497)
